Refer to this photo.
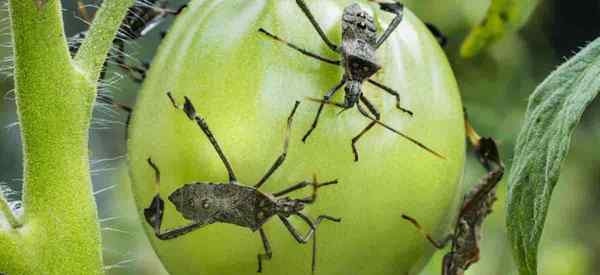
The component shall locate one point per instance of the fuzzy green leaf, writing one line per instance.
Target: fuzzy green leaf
(554, 110)
(503, 16)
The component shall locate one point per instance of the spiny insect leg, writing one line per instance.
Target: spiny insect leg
(298, 48)
(268, 253)
(395, 8)
(392, 92)
(326, 98)
(437, 244)
(281, 158)
(366, 129)
(316, 25)
(190, 111)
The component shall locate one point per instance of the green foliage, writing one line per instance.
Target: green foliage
(502, 16)
(554, 110)
(59, 231)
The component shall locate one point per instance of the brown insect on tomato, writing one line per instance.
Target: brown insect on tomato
(476, 206)
(357, 51)
(206, 203)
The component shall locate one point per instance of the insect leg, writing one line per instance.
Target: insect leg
(154, 213)
(448, 264)
(281, 158)
(414, 141)
(392, 92)
(190, 111)
(439, 36)
(489, 157)
(176, 232)
(366, 129)
(313, 226)
(304, 184)
(315, 24)
(313, 197)
(301, 50)
(268, 253)
(311, 232)
(437, 244)
(395, 8)
(326, 98)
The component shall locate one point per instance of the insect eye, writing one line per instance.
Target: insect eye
(362, 15)
(362, 25)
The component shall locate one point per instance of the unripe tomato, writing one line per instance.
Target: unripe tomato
(245, 84)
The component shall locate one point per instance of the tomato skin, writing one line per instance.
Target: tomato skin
(245, 85)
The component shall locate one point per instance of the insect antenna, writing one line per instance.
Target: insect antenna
(318, 100)
(416, 142)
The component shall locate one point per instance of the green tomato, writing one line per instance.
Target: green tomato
(245, 84)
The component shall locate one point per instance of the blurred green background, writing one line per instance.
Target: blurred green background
(495, 87)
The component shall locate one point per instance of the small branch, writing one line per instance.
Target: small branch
(6, 210)
(99, 39)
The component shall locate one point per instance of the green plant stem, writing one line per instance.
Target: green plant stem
(60, 232)
(6, 210)
(99, 40)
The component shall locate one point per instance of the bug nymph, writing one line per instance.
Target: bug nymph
(206, 203)
(359, 44)
(476, 206)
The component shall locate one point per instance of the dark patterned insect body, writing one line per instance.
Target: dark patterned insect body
(233, 203)
(359, 44)
(477, 205)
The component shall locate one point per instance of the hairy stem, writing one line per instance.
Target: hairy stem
(60, 232)
(8, 214)
(100, 37)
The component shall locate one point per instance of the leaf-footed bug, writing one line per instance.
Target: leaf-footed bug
(206, 203)
(476, 206)
(359, 43)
